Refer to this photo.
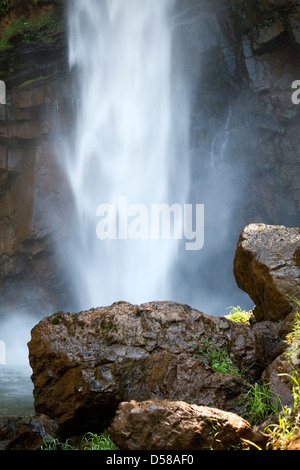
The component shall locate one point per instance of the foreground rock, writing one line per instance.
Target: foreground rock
(26, 433)
(167, 425)
(267, 267)
(84, 365)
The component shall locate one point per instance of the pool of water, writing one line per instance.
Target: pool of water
(16, 391)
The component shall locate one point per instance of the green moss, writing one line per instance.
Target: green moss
(107, 325)
(218, 358)
(33, 81)
(281, 16)
(4, 7)
(32, 31)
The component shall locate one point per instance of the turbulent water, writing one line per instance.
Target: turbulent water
(131, 142)
(16, 391)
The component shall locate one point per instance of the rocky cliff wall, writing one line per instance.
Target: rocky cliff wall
(245, 140)
(241, 57)
(34, 199)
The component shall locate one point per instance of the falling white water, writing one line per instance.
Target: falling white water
(131, 141)
(217, 155)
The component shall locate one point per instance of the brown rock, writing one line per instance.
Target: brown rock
(281, 372)
(181, 377)
(85, 364)
(267, 267)
(26, 433)
(35, 195)
(175, 425)
(277, 376)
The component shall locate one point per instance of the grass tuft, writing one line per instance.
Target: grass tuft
(218, 359)
(260, 403)
(89, 441)
(238, 315)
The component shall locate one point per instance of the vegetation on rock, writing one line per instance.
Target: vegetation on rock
(259, 403)
(218, 358)
(284, 433)
(32, 30)
(239, 315)
(281, 16)
(90, 441)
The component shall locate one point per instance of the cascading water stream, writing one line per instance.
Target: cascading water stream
(131, 134)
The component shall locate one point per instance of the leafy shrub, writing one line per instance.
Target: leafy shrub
(218, 359)
(31, 30)
(89, 441)
(238, 315)
(259, 403)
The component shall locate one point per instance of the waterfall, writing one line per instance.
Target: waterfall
(217, 155)
(130, 146)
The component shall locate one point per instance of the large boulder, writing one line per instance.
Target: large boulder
(85, 364)
(267, 267)
(175, 425)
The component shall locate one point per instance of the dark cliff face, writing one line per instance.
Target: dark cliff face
(33, 193)
(245, 139)
(241, 58)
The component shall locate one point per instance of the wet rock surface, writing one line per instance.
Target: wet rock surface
(26, 433)
(85, 364)
(175, 425)
(267, 267)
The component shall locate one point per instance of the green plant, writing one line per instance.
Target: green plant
(13, 29)
(259, 403)
(263, 24)
(55, 444)
(294, 335)
(293, 338)
(281, 16)
(295, 389)
(295, 299)
(34, 80)
(218, 359)
(31, 30)
(89, 441)
(238, 315)
(4, 6)
(92, 441)
(288, 418)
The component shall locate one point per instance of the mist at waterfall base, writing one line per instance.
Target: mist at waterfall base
(16, 388)
(136, 82)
